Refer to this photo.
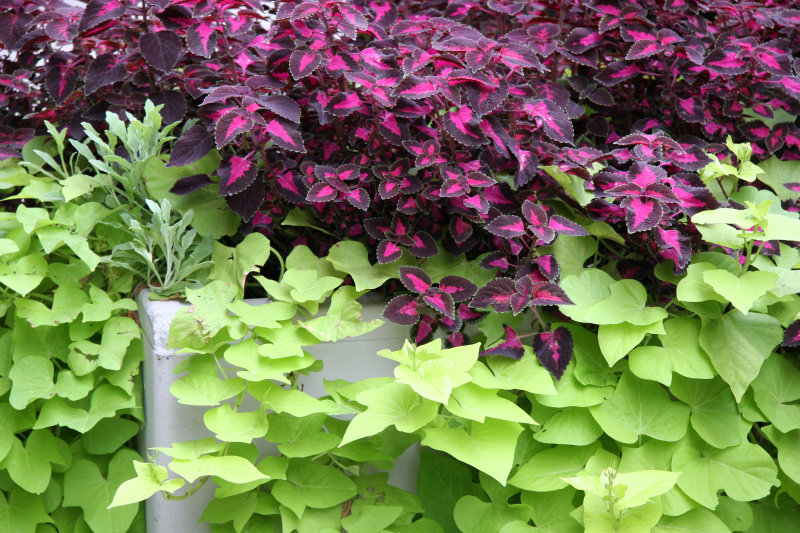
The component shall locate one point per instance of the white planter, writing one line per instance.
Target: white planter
(167, 421)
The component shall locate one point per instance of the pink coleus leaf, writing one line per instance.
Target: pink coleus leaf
(60, 81)
(343, 104)
(678, 242)
(726, 60)
(617, 72)
(496, 294)
(424, 245)
(547, 293)
(388, 252)
(691, 109)
(236, 174)
(662, 193)
(511, 346)
(774, 61)
(414, 279)
(460, 230)
(283, 106)
(230, 125)
(303, 62)
(415, 87)
(643, 174)
(460, 289)
(554, 350)
(553, 119)
(388, 188)
(440, 301)
(201, 39)
(495, 260)
(642, 214)
(459, 124)
(190, 184)
(402, 310)
(105, 70)
(479, 180)
(692, 158)
(353, 16)
(548, 266)
(321, 192)
(506, 226)
(99, 11)
(791, 335)
(286, 135)
(518, 56)
(642, 49)
(358, 198)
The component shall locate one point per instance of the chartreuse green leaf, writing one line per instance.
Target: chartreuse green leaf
(201, 388)
(22, 512)
(109, 435)
(741, 291)
(788, 445)
(776, 391)
(617, 340)
(509, 374)
(394, 404)
(28, 464)
(67, 303)
(194, 326)
(745, 472)
(312, 485)
(102, 306)
(300, 437)
(715, 414)
(233, 426)
(31, 378)
(87, 488)
(596, 519)
(371, 518)
(599, 299)
(352, 258)
(489, 447)
(192, 449)
(572, 393)
(639, 408)
(737, 516)
(441, 483)
(292, 401)
(545, 470)
(777, 173)
(342, 319)
(679, 352)
(118, 332)
(432, 371)
(266, 315)
(234, 264)
(574, 426)
(473, 515)
(228, 467)
(476, 403)
(237, 509)
(695, 521)
(550, 511)
(738, 345)
(24, 275)
(693, 287)
(150, 478)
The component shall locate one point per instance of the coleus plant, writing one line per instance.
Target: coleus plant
(437, 129)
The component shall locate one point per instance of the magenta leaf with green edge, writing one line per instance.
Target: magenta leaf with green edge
(496, 294)
(402, 310)
(791, 335)
(554, 350)
(495, 260)
(414, 279)
(460, 230)
(511, 346)
(190, 147)
(460, 289)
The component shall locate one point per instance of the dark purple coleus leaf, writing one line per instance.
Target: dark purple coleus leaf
(393, 129)
(104, 70)
(60, 81)
(460, 289)
(236, 174)
(303, 62)
(414, 279)
(423, 330)
(321, 192)
(415, 87)
(511, 346)
(427, 152)
(285, 135)
(554, 350)
(190, 184)
(99, 11)
(675, 245)
(283, 106)
(484, 99)
(230, 125)
(691, 159)
(161, 49)
(565, 226)
(773, 57)
(691, 109)
(460, 230)
(496, 294)
(248, 202)
(190, 147)
(617, 72)
(548, 266)
(582, 39)
(791, 335)
(726, 60)
(495, 260)
(402, 310)
(546, 293)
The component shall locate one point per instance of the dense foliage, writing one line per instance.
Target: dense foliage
(613, 181)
